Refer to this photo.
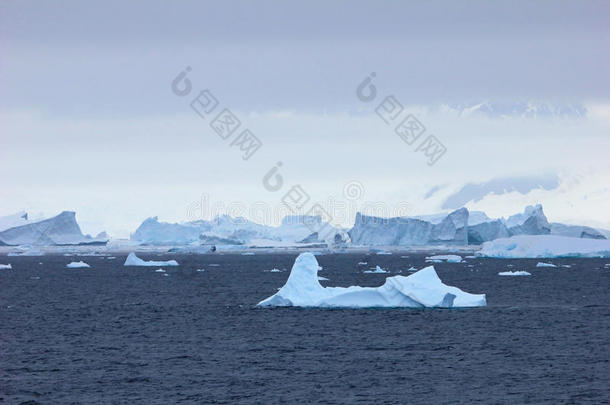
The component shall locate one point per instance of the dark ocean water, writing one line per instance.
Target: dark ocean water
(112, 334)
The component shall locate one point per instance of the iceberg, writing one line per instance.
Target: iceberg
(423, 289)
(378, 270)
(59, 230)
(405, 231)
(545, 246)
(514, 273)
(77, 265)
(448, 258)
(133, 260)
(541, 264)
(5, 266)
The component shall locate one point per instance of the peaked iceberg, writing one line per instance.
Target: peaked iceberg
(419, 290)
(59, 230)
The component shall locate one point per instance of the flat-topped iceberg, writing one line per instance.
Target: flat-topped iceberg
(514, 273)
(448, 258)
(77, 265)
(545, 246)
(133, 260)
(419, 290)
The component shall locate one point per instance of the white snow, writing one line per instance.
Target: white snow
(545, 246)
(421, 289)
(5, 266)
(541, 264)
(77, 265)
(133, 260)
(377, 270)
(514, 273)
(448, 258)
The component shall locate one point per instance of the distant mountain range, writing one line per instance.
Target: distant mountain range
(524, 109)
(457, 228)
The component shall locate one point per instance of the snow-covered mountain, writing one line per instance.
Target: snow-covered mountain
(59, 230)
(523, 109)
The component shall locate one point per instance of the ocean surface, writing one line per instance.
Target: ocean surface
(126, 335)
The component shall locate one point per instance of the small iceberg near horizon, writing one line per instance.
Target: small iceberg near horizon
(514, 273)
(77, 265)
(133, 260)
(378, 270)
(542, 264)
(447, 258)
(423, 289)
(5, 266)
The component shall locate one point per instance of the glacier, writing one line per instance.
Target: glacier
(133, 260)
(545, 246)
(423, 289)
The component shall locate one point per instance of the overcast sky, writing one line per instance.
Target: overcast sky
(88, 120)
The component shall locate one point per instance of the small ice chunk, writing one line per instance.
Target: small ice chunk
(514, 273)
(322, 278)
(362, 263)
(5, 266)
(412, 268)
(378, 270)
(248, 254)
(275, 271)
(133, 260)
(448, 258)
(200, 270)
(77, 265)
(543, 264)
(214, 265)
(159, 271)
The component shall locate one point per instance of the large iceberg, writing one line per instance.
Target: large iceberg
(404, 231)
(545, 246)
(225, 230)
(59, 230)
(419, 290)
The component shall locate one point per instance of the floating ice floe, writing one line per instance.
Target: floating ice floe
(447, 258)
(383, 252)
(322, 278)
(378, 270)
(159, 271)
(275, 271)
(77, 265)
(545, 246)
(133, 260)
(5, 266)
(419, 290)
(362, 263)
(412, 268)
(514, 273)
(248, 254)
(541, 264)
(200, 270)
(214, 265)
